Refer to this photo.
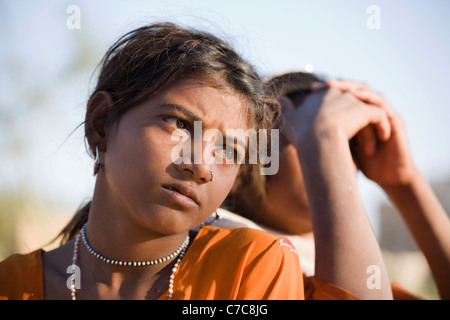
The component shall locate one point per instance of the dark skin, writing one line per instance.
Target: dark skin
(320, 131)
(386, 161)
(134, 216)
(391, 166)
(286, 204)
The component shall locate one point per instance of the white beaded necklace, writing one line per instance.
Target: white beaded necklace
(82, 235)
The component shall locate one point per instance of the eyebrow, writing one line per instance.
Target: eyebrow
(193, 117)
(185, 111)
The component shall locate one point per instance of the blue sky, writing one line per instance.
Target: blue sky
(407, 60)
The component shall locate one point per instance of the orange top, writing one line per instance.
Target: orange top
(21, 277)
(220, 264)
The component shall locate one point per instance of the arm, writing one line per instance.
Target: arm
(345, 243)
(429, 225)
(390, 165)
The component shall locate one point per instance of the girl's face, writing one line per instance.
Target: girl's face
(144, 184)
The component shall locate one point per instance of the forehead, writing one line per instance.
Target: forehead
(219, 108)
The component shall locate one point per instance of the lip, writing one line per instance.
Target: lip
(183, 195)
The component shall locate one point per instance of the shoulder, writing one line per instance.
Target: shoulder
(242, 263)
(22, 263)
(21, 276)
(231, 220)
(237, 236)
(248, 242)
(304, 244)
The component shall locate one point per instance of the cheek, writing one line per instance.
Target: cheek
(289, 160)
(136, 155)
(223, 182)
(288, 182)
(276, 188)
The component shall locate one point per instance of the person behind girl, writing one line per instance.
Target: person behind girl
(285, 210)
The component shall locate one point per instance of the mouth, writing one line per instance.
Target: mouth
(182, 195)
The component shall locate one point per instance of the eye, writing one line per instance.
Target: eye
(177, 122)
(181, 124)
(229, 154)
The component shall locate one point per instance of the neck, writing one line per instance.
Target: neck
(126, 242)
(116, 233)
(129, 243)
(106, 280)
(112, 232)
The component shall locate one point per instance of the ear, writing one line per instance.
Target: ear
(96, 119)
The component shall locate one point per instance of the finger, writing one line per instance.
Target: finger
(383, 127)
(397, 128)
(361, 90)
(367, 140)
(354, 151)
(317, 86)
(378, 100)
(379, 118)
(347, 85)
(374, 99)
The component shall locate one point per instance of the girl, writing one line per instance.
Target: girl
(134, 239)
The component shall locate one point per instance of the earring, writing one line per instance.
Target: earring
(216, 217)
(212, 175)
(97, 164)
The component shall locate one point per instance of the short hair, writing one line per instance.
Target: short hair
(295, 85)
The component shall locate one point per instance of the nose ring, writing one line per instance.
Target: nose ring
(212, 175)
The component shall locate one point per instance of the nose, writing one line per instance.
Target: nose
(192, 163)
(200, 172)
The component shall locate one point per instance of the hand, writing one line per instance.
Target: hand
(333, 112)
(387, 162)
(321, 129)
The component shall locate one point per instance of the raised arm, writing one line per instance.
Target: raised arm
(429, 225)
(346, 247)
(389, 163)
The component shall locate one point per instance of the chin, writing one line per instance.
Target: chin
(169, 221)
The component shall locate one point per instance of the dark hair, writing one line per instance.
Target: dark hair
(244, 200)
(149, 59)
(295, 85)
